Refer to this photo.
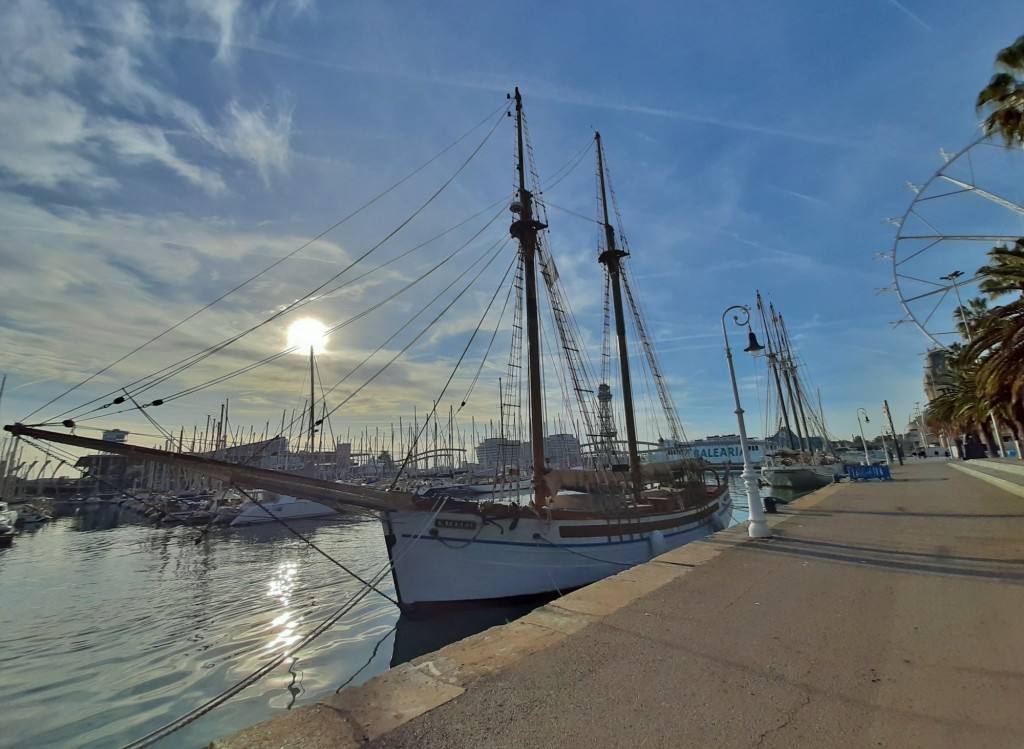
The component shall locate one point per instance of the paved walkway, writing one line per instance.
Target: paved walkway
(879, 615)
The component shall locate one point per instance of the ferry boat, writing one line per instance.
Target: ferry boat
(717, 450)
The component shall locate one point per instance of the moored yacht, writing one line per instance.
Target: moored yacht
(270, 506)
(8, 518)
(779, 473)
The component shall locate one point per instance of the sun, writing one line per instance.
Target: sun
(306, 333)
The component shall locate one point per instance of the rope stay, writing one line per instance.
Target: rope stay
(500, 118)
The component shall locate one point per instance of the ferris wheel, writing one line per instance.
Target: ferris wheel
(972, 203)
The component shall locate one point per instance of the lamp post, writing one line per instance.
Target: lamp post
(758, 526)
(952, 277)
(885, 448)
(867, 457)
(959, 302)
(892, 431)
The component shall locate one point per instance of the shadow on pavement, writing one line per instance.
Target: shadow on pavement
(887, 559)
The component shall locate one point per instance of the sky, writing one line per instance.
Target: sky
(157, 155)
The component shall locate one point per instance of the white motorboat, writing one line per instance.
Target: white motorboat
(501, 485)
(269, 507)
(8, 519)
(801, 476)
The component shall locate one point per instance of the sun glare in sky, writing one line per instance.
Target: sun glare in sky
(305, 333)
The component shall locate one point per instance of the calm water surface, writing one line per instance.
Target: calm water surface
(113, 627)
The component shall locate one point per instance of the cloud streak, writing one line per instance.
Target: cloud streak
(913, 16)
(57, 136)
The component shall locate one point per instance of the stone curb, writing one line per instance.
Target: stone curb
(1013, 487)
(366, 712)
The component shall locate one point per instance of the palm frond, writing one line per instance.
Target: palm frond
(1012, 57)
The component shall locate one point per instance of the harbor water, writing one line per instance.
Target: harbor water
(113, 627)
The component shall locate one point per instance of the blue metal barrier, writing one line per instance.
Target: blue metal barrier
(866, 473)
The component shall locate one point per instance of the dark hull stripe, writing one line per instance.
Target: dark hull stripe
(631, 529)
(610, 542)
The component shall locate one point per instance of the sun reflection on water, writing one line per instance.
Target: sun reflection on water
(285, 624)
(283, 583)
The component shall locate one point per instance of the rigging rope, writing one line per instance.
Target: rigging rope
(426, 421)
(190, 717)
(313, 546)
(419, 335)
(164, 374)
(193, 715)
(502, 109)
(273, 357)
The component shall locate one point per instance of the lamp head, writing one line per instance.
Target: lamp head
(753, 347)
(866, 419)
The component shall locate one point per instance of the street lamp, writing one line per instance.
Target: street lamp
(959, 302)
(885, 447)
(952, 277)
(892, 430)
(867, 457)
(758, 526)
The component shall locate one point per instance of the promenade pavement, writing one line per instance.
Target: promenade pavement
(880, 614)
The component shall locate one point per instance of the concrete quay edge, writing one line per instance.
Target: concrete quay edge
(363, 713)
(1008, 477)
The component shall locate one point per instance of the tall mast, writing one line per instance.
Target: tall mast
(800, 395)
(788, 371)
(611, 258)
(312, 405)
(773, 359)
(524, 229)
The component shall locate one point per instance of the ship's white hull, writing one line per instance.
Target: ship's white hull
(456, 557)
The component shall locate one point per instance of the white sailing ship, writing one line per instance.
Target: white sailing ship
(573, 527)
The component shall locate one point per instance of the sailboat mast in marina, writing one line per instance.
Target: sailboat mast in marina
(524, 229)
(611, 258)
(574, 525)
(802, 467)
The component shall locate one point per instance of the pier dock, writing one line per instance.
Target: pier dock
(880, 614)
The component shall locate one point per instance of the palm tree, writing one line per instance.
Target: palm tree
(1004, 96)
(959, 408)
(972, 317)
(1005, 272)
(999, 346)
(998, 336)
(995, 351)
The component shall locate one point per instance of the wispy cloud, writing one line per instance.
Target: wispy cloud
(56, 135)
(800, 195)
(541, 89)
(145, 143)
(46, 140)
(225, 15)
(916, 18)
(262, 137)
(727, 123)
(157, 154)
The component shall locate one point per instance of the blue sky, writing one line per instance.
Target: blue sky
(155, 155)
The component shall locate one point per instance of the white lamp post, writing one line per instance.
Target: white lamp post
(758, 526)
(867, 457)
(885, 448)
(952, 277)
